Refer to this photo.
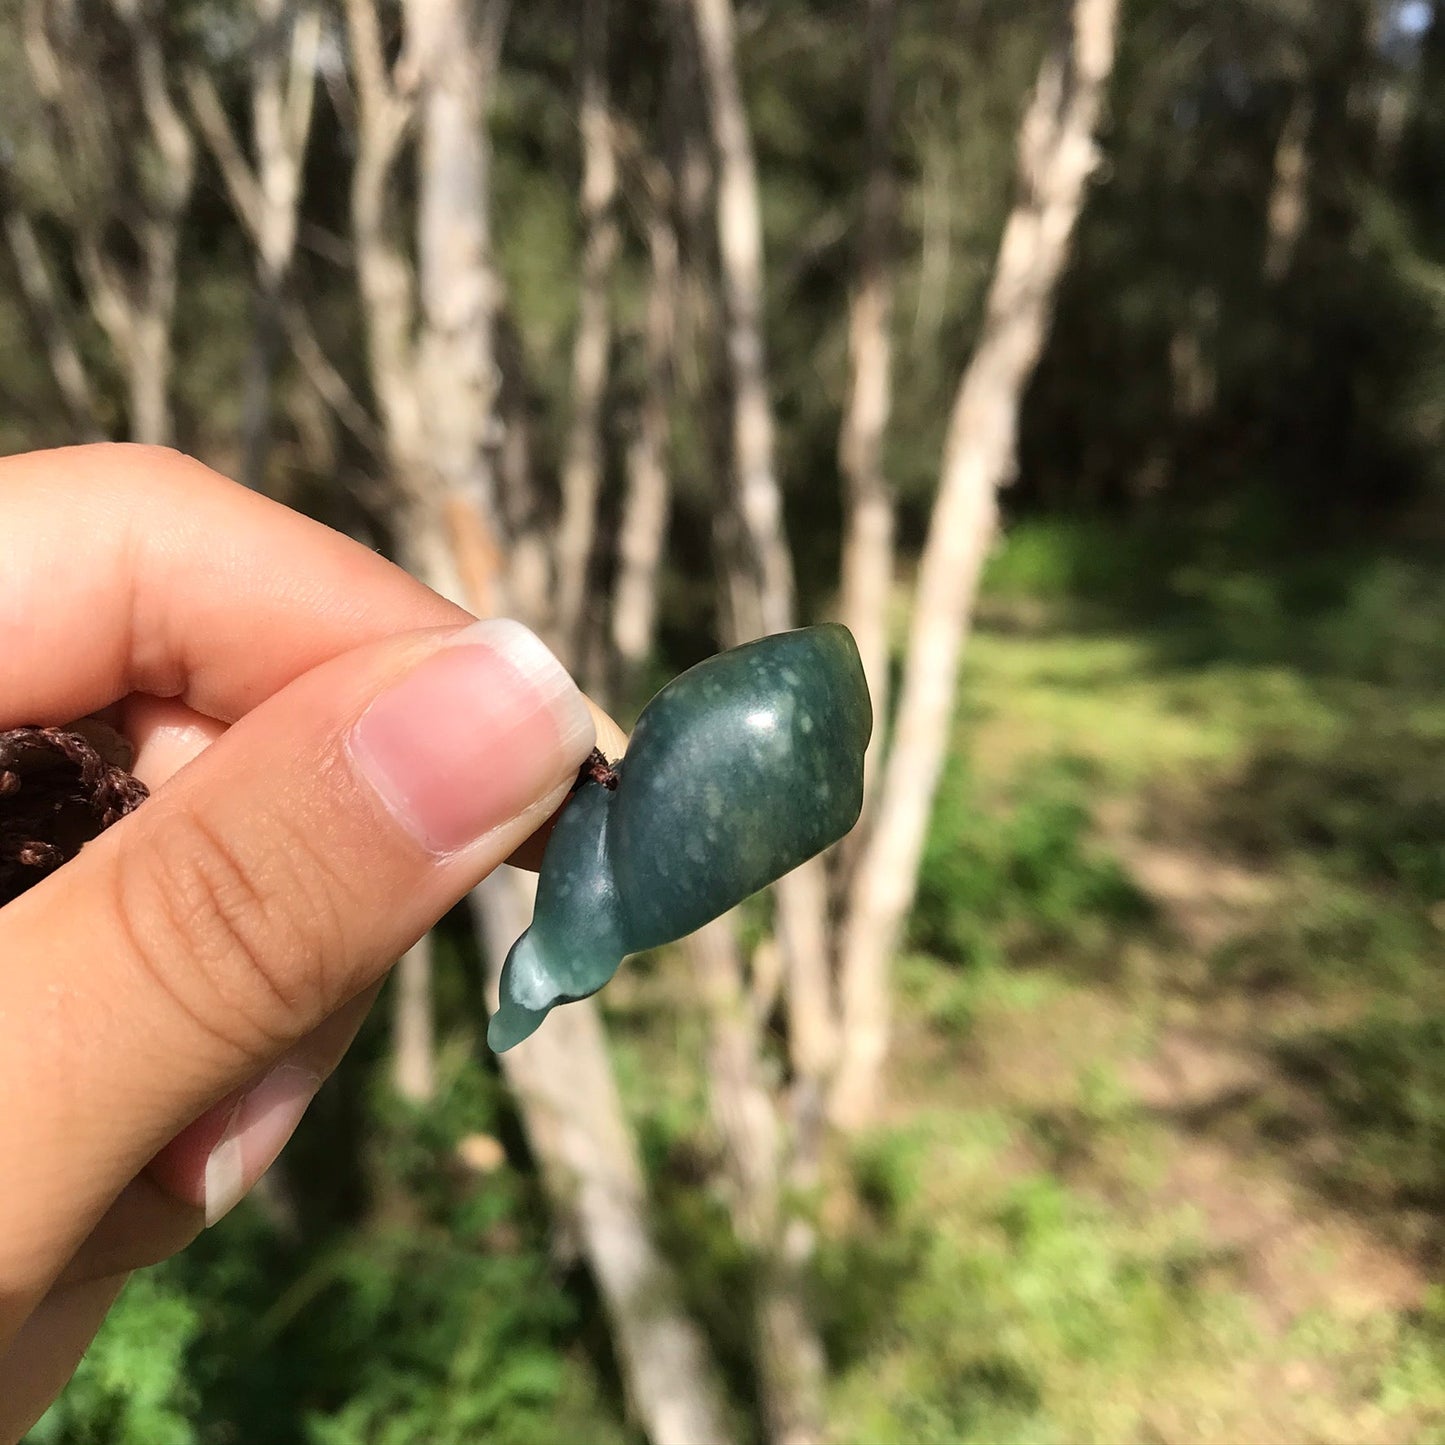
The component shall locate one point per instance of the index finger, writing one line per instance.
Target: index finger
(144, 571)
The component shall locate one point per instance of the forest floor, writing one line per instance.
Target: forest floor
(1165, 1158)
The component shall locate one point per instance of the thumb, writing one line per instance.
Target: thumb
(266, 885)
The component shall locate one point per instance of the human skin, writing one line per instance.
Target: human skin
(336, 756)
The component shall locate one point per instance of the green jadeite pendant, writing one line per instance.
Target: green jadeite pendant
(738, 771)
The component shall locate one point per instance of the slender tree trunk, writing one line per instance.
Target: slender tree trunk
(530, 557)
(647, 500)
(1192, 349)
(867, 565)
(455, 46)
(1289, 195)
(265, 191)
(283, 91)
(384, 274)
(760, 564)
(763, 550)
(1057, 155)
(935, 262)
(582, 467)
(758, 574)
(148, 365)
(437, 400)
(566, 1092)
(54, 326)
(149, 361)
(789, 1357)
(413, 1045)
(574, 1119)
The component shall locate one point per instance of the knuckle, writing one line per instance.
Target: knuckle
(145, 454)
(234, 940)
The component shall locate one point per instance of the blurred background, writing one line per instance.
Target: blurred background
(1088, 358)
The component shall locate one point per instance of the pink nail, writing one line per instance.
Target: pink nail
(263, 1120)
(475, 736)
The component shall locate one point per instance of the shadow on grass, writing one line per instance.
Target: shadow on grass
(1380, 1084)
(1327, 666)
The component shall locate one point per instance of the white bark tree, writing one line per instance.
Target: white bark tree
(582, 465)
(1289, 196)
(647, 498)
(787, 1350)
(413, 1028)
(766, 1157)
(1057, 156)
(756, 504)
(756, 557)
(265, 188)
(575, 1123)
(866, 584)
(438, 394)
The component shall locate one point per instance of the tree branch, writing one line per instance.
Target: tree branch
(327, 381)
(216, 130)
(108, 297)
(53, 324)
(301, 80)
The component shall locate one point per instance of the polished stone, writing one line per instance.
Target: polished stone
(738, 771)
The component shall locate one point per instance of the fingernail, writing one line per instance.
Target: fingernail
(263, 1120)
(474, 736)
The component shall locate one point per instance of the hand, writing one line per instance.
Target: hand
(336, 756)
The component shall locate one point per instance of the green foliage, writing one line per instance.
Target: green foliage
(974, 1307)
(438, 1319)
(1014, 882)
(133, 1387)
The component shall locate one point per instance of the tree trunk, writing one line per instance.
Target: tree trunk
(582, 467)
(384, 275)
(438, 401)
(455, 46)
(758, 577)
(149, 359)
(48, 314)
(1057, 155)
(757, 563)
(562, 1079)
(283, 88)
(530, 558)
(413, 1046)
(789, 1357)
(1289, 195)
(762, 551)
(647, 501)
(867, 564)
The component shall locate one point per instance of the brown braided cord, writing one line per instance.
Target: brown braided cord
(59, 788)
